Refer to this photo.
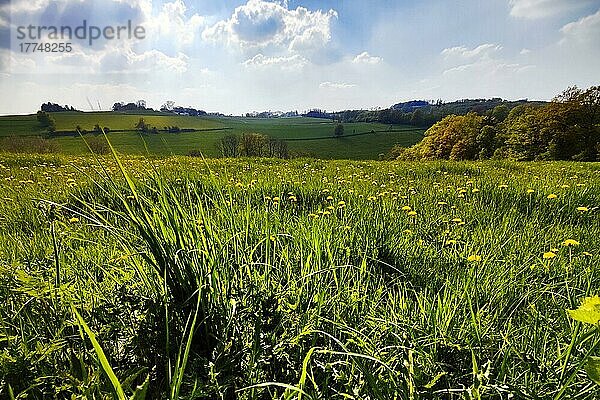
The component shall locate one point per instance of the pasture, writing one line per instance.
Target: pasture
(307, 137)
(307, 279)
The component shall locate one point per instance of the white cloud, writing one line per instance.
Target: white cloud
(482, 62)
(524, 52)
(488, 68)
(335, 85)
(173, 22)
(292, 62)
(485, 50)
(152, 61)
(535, 9)
(260, 23)
(585, 30)
(366, 58)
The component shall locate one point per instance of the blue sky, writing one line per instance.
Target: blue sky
(254, 55)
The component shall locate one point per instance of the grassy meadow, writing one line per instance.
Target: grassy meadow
(304, 279)
(308, 137)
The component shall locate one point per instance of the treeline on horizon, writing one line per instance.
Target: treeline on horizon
(424, 114)
(567, 128)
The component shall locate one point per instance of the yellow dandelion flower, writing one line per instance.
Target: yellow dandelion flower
(457, 220)
(442, 203)
(474, 258)
(406, 208)
(74, 220)
(293, 199)
(475, 190)
(412, 214)
(583, 209)
(276, 199)
(570, 243)
(329, 198)
(272, 238)
(326, 213)
(530, 191)
(552, 196)
(549, 255)
(585, 253)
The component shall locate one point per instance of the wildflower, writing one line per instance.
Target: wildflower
(475, 190)
(530, 191)
(311, 215)
(549, 255)
(442, 203)
(341, 204)
(406, 208)
(272, 238)
(474, 258)
(451, 242)
(276, 199)
(329, 198)
(293, 199)
(502, 186)
(74, 220)
(412, 214)
(583, 209)
(552, 196)
(457, 220)
(570, 243)
(585, 253)
(407, 231)
(326, 213)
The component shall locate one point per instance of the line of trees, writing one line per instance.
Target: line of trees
(567, 128)
(46, 121)
(252, 145)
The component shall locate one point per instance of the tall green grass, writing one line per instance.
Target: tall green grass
(258, 279)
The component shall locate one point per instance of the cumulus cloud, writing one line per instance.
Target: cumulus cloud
(149, 61)
(483, 60)
(260, 23)
(292, 62)
(336, 85)
(486, 50)
(535, 9)
(173, 22)
(366, 58)
(487, 68)
(585, 30)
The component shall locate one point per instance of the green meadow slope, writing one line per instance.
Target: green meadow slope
(305, 136)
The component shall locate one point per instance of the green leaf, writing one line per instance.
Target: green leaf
(140, 391)
(593, 369)
(588, 312)
(101, 356)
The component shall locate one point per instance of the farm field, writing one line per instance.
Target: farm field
(307, 279)
(305, 136)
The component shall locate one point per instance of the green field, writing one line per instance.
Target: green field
(305, 136)
(300, 279)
